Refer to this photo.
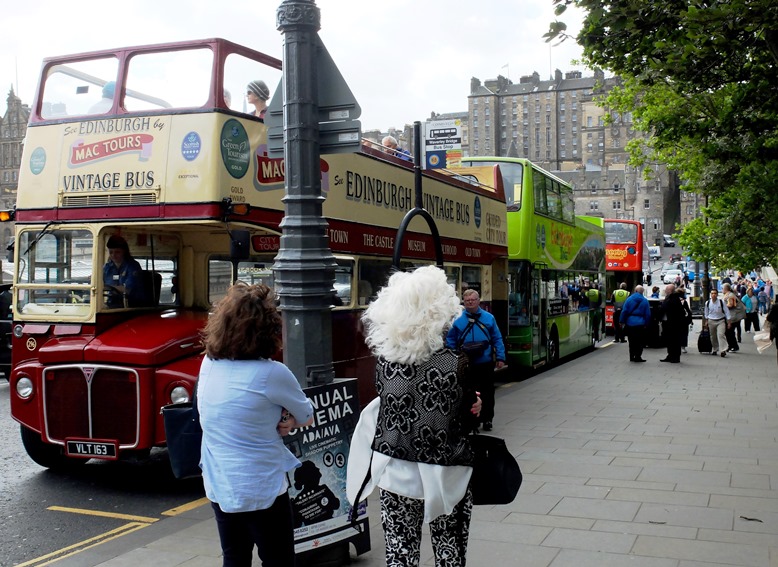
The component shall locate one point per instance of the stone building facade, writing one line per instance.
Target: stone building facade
(559, 125)
(13, 128)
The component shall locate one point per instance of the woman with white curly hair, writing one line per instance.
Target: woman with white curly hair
(411, 441)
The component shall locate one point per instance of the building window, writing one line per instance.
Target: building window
(475, 123)
(486, 111)
(594, 206)
(563, 153)
(594, 186)
(589, 121)
(646, 203)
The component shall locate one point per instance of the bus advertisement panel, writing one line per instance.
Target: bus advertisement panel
(182, 177)
(554, 257)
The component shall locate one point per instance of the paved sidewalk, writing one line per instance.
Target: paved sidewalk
(641, 465)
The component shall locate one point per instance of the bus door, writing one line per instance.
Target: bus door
(539, 308)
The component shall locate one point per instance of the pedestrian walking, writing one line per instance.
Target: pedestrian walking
(618, 298)
(411, 441)
(717, 319)
(688, 319)
(772, 320)
(476, 334)
(247, 402)
(673, 322)
(752, 313)
(737, 312)
(635, 317)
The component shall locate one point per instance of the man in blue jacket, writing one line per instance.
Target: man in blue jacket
(635, 317)
(475, 333)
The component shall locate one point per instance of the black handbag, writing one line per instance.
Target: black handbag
(496, 474)
(184, 436)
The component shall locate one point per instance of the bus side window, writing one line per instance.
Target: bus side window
(219, 279)
(373, 275)
(343, 274)
(539, 183)
(471, 278)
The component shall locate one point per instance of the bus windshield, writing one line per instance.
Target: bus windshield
(55, 271)
(620, 233)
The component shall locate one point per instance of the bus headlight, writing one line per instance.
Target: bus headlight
(24, 387)
(178, 395)
(18, 331)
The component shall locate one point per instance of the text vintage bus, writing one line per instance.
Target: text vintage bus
(549, 249)
(165, 165)
(626, 253)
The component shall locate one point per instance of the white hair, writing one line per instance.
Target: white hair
(406, 322)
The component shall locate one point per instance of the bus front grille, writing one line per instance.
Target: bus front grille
(109, 199)
(91, 402)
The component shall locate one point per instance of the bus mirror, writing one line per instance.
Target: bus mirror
(240, 244)
(10, 249)
(545, 275)
(8, 215)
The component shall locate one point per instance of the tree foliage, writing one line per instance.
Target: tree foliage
(700, 79)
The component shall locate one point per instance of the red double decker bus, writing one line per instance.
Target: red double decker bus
(625, 254)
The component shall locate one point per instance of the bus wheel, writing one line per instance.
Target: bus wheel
(552, 348)
(48, 456)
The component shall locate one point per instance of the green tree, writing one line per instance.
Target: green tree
(700, 79)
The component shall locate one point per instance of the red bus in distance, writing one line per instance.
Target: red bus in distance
(625, 254)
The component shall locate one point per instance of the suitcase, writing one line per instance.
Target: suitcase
(703, 341)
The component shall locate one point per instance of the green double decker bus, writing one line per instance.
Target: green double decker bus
(554, 257)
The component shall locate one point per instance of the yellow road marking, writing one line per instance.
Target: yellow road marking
(186, 507)
(135, 523)
(84, 545)
(129, 517)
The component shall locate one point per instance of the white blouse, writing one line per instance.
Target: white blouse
(441, 487)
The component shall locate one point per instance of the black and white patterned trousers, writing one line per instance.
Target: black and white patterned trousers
(402, 519)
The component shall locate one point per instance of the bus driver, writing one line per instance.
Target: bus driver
(122, 275)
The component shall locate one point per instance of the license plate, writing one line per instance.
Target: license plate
(91, 449)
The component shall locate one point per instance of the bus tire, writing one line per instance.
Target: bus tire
(47, 456)
(552, 348)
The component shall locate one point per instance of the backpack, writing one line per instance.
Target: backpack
(473, 349)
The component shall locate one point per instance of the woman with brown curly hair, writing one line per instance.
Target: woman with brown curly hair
(247, 402)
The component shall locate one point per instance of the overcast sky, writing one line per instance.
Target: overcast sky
(402, 58)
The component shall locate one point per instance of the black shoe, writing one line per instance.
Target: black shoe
(723, 354)
(488, 426)
(624, 340)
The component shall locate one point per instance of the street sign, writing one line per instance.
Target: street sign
(339, 129)
(442, 143)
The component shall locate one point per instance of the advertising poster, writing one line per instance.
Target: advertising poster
(318, 488)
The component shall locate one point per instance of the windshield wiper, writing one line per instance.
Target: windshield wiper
(37, 238)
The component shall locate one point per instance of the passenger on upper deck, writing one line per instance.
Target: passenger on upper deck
(391, 147)
(258, 95)
(104, 104)
(122, 275)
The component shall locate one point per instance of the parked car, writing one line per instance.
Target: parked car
(668, 240)
(671, 275)
(654, 252)
(676, 257)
